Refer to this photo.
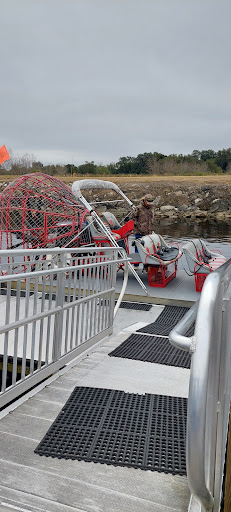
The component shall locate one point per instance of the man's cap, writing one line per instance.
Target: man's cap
(148, 198)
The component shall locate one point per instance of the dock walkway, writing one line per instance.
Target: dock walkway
(33, 483)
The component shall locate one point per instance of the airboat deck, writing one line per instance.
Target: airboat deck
(180, 291)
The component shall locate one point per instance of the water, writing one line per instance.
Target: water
(217, 235)
(183, 230)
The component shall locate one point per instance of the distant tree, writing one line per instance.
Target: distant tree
(22, 164)
(87, 168)
(140, 163)
(123, 166)
(103, 170)
(213, 167)
(159, 156)
(228, 168)
(112, 168)
(70, 169)
(196, 154)
(223, 157)
(154, 165)
(207, 154)
(37, 166)
(51, 170)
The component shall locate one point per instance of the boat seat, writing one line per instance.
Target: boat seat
(154, 250)
(98, 236)
(117, 229)
(201, 261)
(159, 258)
(111, 220)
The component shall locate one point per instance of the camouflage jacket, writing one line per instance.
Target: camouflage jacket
(144, 219)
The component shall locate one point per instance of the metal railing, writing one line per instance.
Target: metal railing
(53, 305)
(210, 386)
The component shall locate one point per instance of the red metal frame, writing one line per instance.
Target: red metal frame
(38, 210)
(158, 277)
(199, 281)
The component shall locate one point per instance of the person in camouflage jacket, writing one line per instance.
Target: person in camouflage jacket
(144, 216)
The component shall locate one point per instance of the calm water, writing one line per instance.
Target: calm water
(218, 232)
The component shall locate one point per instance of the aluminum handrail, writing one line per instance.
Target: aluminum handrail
(47, 272)
(207, 366)
(176, 336)
(124, 286)
(66, 308)
(36, 273)
(60, 250)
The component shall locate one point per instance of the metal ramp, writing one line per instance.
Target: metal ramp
(77, 485)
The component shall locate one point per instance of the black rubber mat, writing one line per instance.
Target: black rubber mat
(122, 429)
(126, 305)
(152, 349)
(13, 293)
(165, 322)
(10, 361)
(136, 305)
(66, 298)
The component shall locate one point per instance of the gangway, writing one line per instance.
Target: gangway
(77, 293)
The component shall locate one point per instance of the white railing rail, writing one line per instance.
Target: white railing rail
(53, 305)
(210, 386)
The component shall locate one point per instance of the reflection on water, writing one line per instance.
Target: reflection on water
(185, 229)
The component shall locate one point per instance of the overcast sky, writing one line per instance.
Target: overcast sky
(99, 79)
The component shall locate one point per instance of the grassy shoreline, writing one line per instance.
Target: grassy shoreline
(200, 180)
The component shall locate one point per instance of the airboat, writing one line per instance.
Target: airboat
(151, 253)
(39, 211)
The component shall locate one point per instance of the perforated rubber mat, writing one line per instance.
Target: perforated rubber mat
(165, 322)
(53, 297)
(13, 293)
(152, 349)
(136, 305)
(122, 429)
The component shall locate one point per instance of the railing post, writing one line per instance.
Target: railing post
(58, 322)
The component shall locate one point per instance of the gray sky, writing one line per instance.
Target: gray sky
(99, 79)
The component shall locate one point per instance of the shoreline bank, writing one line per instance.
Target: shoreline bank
(199, 197)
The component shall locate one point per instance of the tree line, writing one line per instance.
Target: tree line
(197, 163)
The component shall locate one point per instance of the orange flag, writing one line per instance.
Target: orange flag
(4, 155)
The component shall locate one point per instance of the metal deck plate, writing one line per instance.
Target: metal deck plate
(168, 318)
(152, 349)
(136, 305)
(122, 429)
